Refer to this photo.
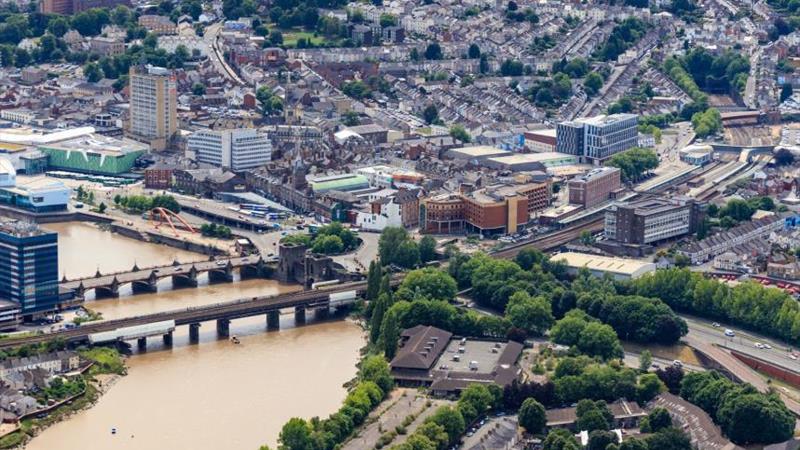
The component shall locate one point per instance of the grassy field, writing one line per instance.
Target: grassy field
(107, 360)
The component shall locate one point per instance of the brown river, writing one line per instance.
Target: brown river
(209, 396)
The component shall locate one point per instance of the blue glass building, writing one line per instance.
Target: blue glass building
(29, 267)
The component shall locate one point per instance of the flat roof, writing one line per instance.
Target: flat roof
(29, 136)
(98, 143)
(620, 266)
(479, 151)
(518, 158)
(485, 353)
(546, 132)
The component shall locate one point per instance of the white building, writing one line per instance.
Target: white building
(19, 115)
(237, 149)
(389, 216)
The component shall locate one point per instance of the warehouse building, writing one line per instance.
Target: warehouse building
(599, 266)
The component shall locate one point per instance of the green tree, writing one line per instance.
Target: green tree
(351, 119)
(92, 72)
(532, 416)
(407, 254)
(375, 369)
(429, 283)
(58, 26)
(593, 83)
(649, 386)
(601, 439)
(328, 245)
(433, 51)
(389, 242)
(430, 114)
(458, 132)
(390, 333)
(669, 439)
(592, 420)
(451, 420)
(427, 249)
(373, 280)
(658, 419)
(645, 360)
(198, 89)
(378, 313)
(532, 314)
(560, 439)
(599, 340)
(295, 435)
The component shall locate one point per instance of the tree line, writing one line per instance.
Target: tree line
(770, 311)
(745, 415)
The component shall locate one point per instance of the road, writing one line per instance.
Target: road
(216, 55)
(360, 259)
(743, 342)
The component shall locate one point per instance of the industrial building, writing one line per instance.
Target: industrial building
(594, 187)
(599, 266)
(29, 267)
(653, 219)
(153, 110)
(96, 154)
(237, 149)
(597, 138)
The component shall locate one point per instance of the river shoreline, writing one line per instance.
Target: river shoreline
(97, 386)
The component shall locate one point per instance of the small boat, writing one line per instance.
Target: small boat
(113, 431)
(235, 340)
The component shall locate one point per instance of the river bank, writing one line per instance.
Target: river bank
(108, 365)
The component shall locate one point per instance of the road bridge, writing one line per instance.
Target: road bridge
(182, 275)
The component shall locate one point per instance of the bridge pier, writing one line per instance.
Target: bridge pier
(274, 320)
(141, 344)
(140, 287)
(221, 276)
(223, 328)
(194, 333)
(300, 314)
(322, 313)
(168, 339)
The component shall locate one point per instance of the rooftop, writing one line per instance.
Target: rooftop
(620, 266)
(479, 151)
(98, 143)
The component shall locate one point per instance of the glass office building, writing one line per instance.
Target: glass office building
(29, 267)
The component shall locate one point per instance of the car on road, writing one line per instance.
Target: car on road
(715, 325)
(759, 345)
(221, 263)
(677, 363)
(729, 333)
